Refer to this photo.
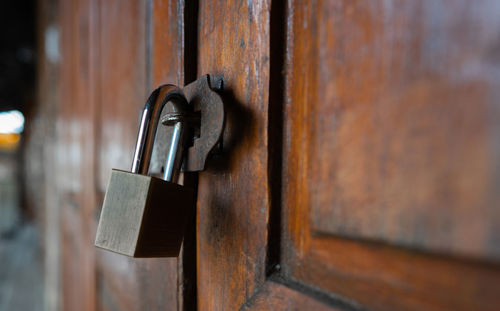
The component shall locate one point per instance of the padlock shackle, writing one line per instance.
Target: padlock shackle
(149, 124)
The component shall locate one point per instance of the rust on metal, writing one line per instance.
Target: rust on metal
(208, 119)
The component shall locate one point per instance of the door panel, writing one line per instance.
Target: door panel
(391, 130)
(402, 135)
(122, 77)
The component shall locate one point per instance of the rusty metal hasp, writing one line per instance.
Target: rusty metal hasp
(207, 119)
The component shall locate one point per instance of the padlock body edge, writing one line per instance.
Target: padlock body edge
(143, 216)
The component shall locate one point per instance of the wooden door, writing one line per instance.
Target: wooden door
(359, 167)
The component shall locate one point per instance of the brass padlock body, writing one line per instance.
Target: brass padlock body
(127, 227)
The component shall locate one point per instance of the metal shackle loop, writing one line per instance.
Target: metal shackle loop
(147, 131)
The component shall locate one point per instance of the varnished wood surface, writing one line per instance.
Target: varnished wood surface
(233, 200)
(122, 80)
(39, 157)
(402, 126)
(391, 123)
(277, 297)
(381, 277)
(390, 171)
(74, 158)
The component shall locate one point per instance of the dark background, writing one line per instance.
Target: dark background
(17, 55)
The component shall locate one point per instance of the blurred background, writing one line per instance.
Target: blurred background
(20, 248)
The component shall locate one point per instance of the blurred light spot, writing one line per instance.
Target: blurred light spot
(52, 44)
(9, 142)
(11, 122)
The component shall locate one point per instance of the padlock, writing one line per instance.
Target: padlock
(146, 216)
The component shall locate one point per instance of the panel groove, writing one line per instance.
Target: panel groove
(275, 130)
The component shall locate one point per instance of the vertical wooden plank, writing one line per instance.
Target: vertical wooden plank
(233, 200)
(122, 79)
(122, 76)
(40, 150)
(167, 42)
(75, 143)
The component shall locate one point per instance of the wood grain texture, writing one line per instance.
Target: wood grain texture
(390, 170)
(277, 297)
(233, 200)
(122, 57)
(381, 277)
(74, 157)
(391, 135)
(405, 96)
(40, 156)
